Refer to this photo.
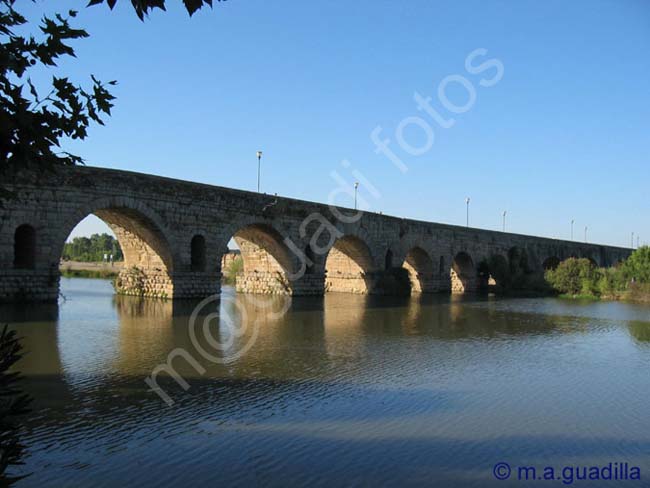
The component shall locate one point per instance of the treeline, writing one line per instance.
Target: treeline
(580, 277)
(92, 249)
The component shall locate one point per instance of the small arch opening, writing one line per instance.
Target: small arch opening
(198, 253)
(25, 247)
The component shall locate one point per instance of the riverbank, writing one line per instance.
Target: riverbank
(78, 269)
(636, 294)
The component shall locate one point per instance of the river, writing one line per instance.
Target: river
(343, 390)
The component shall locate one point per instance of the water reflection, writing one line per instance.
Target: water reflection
(334, 390)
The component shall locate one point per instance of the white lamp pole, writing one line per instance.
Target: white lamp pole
(259, 164)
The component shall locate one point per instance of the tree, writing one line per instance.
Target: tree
(13, 403)
(637, 266)
(573, 276)
(92, 249)
(143, 7)
(33, 125)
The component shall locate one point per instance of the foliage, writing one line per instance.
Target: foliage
(235, 267)
(637, 267)
(629, 280)
(32, 125)
(143, 7)
(92, 249)
(573, 276)
(89, 273)
(13, 403)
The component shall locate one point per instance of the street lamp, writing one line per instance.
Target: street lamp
(572, 222)
(356, 187)
(505, 212)
(467, 200)
(259, 164)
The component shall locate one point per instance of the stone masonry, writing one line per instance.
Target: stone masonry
(174, 234)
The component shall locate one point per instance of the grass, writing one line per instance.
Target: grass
(89, 273)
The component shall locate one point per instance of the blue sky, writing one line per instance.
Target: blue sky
(564, 134)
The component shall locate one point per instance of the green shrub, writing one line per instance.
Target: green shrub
(235, 268)
(574, 277)
(637, 266)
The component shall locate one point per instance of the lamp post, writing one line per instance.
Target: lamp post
(467, 200)
(505, 212)
(572, 222)
(632, 240)
(586, 228)
(356, 187)
(259, 164)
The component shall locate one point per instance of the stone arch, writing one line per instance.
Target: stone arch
(463, 274)
(419, 266)
(497, 270)
(198, 253)
(347, 266)
(143, 238)
(25, 247)
(519, 260)
(267, 260)
(551, 262)
(133, 221)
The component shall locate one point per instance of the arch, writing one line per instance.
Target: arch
(133, 223)
(551, 262)
(148, 259)
(347, 265)
(419, 266)
(267, 261)
(25, 247)
(198, 253)
(518, 259)
(498, 270)
(463, 273)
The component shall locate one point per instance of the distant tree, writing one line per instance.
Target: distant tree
(92, 249)
(13, 403)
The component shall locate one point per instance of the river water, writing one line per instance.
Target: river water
(337, 391)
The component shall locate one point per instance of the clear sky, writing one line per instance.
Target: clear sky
(563, 134)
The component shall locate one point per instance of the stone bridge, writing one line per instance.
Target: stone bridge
(174, 233)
